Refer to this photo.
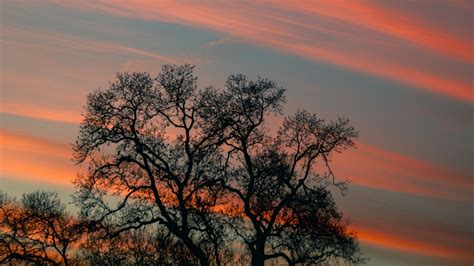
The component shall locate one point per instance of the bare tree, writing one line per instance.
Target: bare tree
(275, 179)
(148, 245)
(156, 178)
(36, 230)
(202, 164)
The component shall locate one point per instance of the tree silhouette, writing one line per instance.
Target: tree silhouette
(147, 245)
(36, 230)
(203, 165)
(276, 183)
(173, 182)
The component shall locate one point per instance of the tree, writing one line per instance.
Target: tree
(149, 245)
(202, 164)
(276, 182)
(36, 230)
(158, 179)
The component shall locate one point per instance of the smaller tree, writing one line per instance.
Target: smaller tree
(37, 229)
(279, 182)
(147, 245)
(159, 179)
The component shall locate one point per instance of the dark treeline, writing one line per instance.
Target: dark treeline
(180, 175)
(38, 230)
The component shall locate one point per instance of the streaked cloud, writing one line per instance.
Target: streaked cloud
(15, 36)
(36, 159)
(387, 239)
(390, 22)
(289, 28)
(39, 112)
(381, 169)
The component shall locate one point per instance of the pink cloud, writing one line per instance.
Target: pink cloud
(385, 170)
(313, 38)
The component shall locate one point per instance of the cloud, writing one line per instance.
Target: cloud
(328, 32)
(409, 243)
(381, 169)
(19, 35)
(220, 42)
(391, 22)
(36, 159)
(40, 112)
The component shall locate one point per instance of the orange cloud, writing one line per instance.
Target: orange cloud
(39, 112)
(387, 69)
(381, 169)
(24, 143)
(278, 30)
(385, 239)
(25, 168)
(410, 165)
(390, 22)
(35, 159)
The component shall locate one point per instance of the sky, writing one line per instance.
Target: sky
(401, 71)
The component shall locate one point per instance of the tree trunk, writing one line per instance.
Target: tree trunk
(200, 255)
(258, 256)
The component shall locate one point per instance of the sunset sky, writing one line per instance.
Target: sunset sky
(402, 71)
